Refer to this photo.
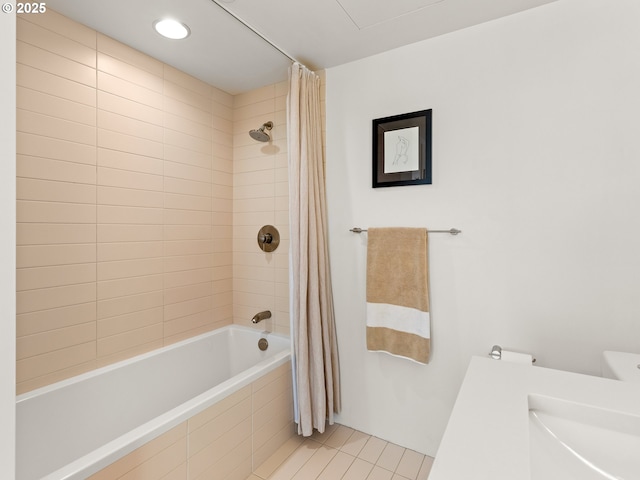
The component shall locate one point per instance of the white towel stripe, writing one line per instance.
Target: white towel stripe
(403, 319)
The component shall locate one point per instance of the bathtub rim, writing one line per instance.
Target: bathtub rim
(117, 448)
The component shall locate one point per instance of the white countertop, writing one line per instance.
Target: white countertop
(487, 436)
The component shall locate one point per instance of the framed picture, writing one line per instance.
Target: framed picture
(402, 150)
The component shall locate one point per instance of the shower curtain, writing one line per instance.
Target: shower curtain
(315, 352)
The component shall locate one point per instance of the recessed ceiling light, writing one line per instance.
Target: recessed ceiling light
(172, 29)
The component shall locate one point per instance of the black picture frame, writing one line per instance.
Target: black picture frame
(402, 150)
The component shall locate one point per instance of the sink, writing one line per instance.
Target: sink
(570, 440)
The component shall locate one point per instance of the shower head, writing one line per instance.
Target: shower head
(260, 134)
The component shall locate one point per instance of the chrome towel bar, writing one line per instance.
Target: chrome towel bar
(452, 231)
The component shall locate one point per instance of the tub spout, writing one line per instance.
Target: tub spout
(258, 317)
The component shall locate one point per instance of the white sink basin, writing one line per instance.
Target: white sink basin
(570, 440)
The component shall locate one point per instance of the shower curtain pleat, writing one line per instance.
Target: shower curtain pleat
(315, 351)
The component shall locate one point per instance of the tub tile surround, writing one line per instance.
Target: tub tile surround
(343, 453)
(224, 442)
(140, 195)
(260, 197)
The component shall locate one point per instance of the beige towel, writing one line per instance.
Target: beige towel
(398, 293)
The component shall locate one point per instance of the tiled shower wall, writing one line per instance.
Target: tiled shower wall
(133, 180)
(260, 197)
(125, 193)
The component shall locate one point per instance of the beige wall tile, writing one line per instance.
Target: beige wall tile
(129, 197)
(54, 297)
(215, 428)
(126, 89)
(48, 363)
(123, 124)
(127, 71)
(222, 99)
(108, 252)
(129, 353)
(115, 49)
(52, 319)
(129, 304)
(51, 84)
(221, 179)
(253, 178)
(128, 233)
(186, 217)
(217, 450)
(128, 143)
(183, 156)
(47, 169)
(186, 172)
(188, 277)
(113, 103)
(187, 232)
(55, 106)
(50, 62)
(29, 384)
(53, 42)
(189, 307)
(33, 345)
(131, 339)
(38, 124)
(187, 187)
(219, 273)
(44, 277)
(131, 321)
(187, 262)
(164, 443)
(234, 466)
(129, 161)
(186, 126)
(48, 255)
(187, 202)
(190, 326)
(254, 96)
(36, 146)
(188, 292)
(188, 247)
(129, 268)
(129, 215)
(55, 22)
(129, 286)
(187, 111)
(52, 191)
(179, 78)
(128, 179)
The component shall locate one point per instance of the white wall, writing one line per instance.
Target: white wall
(536, 158)
(7, 243)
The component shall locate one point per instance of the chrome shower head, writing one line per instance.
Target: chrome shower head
(260, 134)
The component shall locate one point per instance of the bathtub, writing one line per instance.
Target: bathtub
(77, 427)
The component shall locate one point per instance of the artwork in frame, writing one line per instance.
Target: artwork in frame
(402, 149)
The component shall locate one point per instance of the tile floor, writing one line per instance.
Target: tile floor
(346, 454)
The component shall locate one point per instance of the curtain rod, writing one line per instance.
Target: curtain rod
(256, 32)
(452, 231)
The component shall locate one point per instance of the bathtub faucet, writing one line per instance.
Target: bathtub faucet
(258, 317)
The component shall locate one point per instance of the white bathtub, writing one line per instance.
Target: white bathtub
(74, 428)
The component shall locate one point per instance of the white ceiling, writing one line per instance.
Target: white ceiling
(319, 33)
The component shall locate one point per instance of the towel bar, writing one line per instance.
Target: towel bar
(452, 231)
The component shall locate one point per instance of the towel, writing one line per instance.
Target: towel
(398, 320)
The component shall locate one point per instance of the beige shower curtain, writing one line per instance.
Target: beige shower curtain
(315, 351)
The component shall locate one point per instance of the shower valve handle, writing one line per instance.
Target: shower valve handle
(266, 238)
